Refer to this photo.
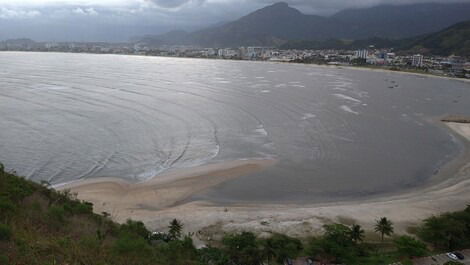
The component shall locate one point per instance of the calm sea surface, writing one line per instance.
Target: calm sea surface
(338, 133)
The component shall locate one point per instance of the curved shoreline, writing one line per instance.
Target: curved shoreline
(161, 199)
(404, 210)
(272, 62)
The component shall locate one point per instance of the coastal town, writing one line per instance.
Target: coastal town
(372, 57)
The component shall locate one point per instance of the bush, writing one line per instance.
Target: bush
(447, 231)
(14, 188)
(131, 245)
(6, 207)
(5, 232)
(56, 214)
(77, 207)
(410, 247)
(134, 228)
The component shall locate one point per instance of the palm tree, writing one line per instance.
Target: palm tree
(356, 233)
(384, 227)
(175, 229)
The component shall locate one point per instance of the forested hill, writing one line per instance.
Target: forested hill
(454, 40)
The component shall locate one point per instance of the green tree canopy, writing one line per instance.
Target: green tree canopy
(447, 231)
(409, 247)
(175, 229)
(384, 227)
(281, 247)
(242, 249)
(356, 233)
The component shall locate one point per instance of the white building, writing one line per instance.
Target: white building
(256, 52)
(363, 54)
(417, 60)
(228, 53)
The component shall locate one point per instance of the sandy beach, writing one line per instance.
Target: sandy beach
(163, 198)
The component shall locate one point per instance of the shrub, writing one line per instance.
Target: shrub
(84, 208)
(6, 207)
(134, 228)
(56, 214)
(5, 232)
(77, 207)
(14, 188)
(447, 231)
(410, 247)
(128, 245)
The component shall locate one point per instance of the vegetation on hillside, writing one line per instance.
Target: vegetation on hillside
(42, 226)
(339, 44)
(454, 40)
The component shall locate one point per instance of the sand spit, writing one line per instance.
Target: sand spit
(144, 200)
(159, 200)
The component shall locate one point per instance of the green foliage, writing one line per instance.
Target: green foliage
(128, 244)
(7, 207)
(14, 188)
(5, 232)
(41, 226)
(281, 247)
(384, 227)
(242, 249)
(410, 247)
(213, 256)
(178, 252)
(336, 245)
(452, 40)
(175, 229)
(134, 227)
(78, 207)
(447, 231)
(56, 215)
(357, 233)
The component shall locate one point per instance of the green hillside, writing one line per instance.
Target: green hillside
(41, 226)
(453, 40)
(45, 227)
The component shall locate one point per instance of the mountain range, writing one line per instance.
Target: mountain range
(276, 24)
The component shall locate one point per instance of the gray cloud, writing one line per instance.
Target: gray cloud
(139, 17)
(175, 3)
(326, 7)
(8, 13)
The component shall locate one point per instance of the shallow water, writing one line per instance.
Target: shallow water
(338, 133)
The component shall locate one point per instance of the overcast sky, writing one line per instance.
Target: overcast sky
(117, 20)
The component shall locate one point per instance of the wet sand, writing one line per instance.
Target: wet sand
(138, 201)
(161, 199)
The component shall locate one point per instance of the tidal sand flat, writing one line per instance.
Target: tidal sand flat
(164, 198)
(123, 199)
(225, 134)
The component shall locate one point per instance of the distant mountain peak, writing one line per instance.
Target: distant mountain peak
(279, 8)
(278, 23)
(279, 4)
